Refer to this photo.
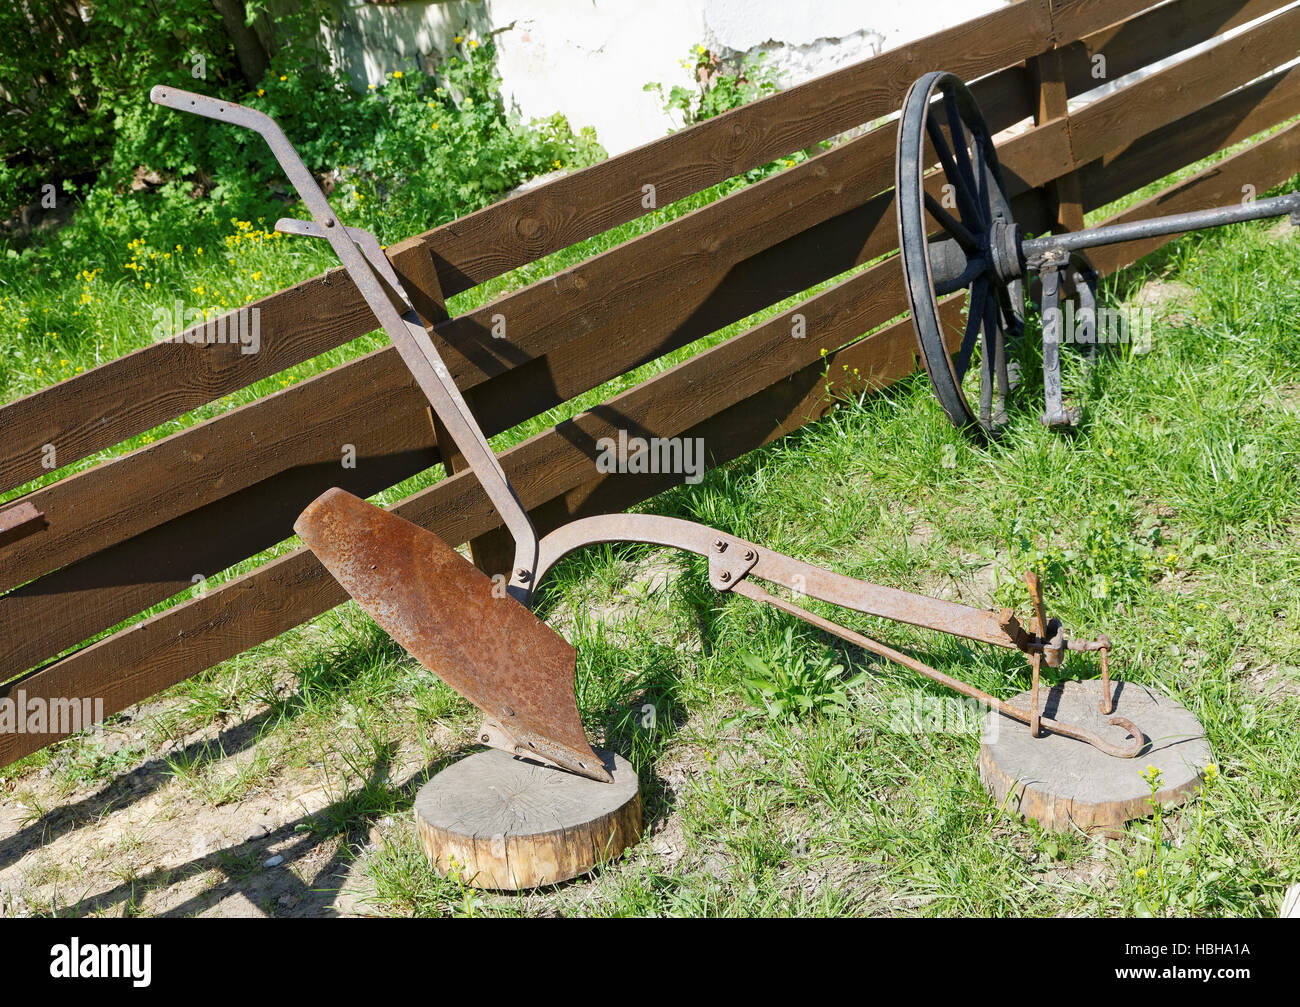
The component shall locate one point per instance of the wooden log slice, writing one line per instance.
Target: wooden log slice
(1064, 784)
(508, 823)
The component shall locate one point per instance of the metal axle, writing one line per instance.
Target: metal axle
(1034, 249)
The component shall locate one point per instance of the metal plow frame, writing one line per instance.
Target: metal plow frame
(503, 659)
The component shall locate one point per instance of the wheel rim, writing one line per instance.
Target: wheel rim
(967, 358)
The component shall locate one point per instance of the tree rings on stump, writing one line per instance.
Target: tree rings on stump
(502, 822)
(1063, 784)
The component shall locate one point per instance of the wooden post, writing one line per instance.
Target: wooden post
(1063, 196)
(494, 551)
(496, 821)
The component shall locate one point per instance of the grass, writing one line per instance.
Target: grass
(1169, 520)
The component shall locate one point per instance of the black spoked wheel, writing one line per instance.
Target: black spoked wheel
(956, 234)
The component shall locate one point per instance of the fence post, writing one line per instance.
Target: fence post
(1063, 197)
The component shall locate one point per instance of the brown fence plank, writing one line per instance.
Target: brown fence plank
(1183, 88)
(701, 245)
(96, 593)
(119, 399)
(1264, 165)
(1154, 35)
(1230, 120)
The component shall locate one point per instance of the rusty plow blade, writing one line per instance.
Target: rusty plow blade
(459, 625)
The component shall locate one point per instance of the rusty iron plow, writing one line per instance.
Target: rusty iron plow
(479, 634)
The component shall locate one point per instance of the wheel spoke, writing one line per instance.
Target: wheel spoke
(961, 154)
(993, 350)
(982, 174)
(965, 196)
(974, 319)
(951, 224)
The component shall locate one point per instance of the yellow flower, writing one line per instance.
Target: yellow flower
(1141, 872)
(473, 43)
(434, 126)
(261, 92)
(555, 164)
(397, 74)
(1211, 772)
(370, 86)
(459, 39)
(283, 77)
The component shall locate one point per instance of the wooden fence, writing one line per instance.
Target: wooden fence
(133, 531)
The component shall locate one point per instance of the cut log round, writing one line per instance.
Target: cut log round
(497, 821)
(1065, 784)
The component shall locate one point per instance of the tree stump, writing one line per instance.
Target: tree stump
(1064, 784)
(503, 822)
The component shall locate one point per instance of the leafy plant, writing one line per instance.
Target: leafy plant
(721, 85)
(790, 684)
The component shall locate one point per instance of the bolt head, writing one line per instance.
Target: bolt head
(749, 555)
(720, 545)
(724, 575)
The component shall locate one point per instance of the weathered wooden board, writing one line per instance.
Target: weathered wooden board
(1183, 88)
(1153, 35)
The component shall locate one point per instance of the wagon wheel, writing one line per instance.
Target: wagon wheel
(957, 236)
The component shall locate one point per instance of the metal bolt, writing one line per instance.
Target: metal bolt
(485, 738)
(724, 575)
(523, 573)
(719, 545)
(749, 555)
(329, 223)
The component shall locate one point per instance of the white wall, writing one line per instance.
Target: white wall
(590, 59)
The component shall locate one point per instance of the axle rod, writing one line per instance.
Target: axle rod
(1034, 249)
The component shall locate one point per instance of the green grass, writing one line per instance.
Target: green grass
(1170, 520)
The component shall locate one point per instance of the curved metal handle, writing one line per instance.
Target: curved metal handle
(403, 327)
